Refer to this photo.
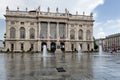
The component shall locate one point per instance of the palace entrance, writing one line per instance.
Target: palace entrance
(53, 46)
(43, 43)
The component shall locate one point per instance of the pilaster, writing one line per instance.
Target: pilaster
(48, 31)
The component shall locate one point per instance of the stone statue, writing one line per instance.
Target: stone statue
(91, 14)
(65, 10)
(48, 9)
(38, 8)
(56, 10)
(26, 9)
(83, 13)
(7, 8)
(76, 12)
(17, 8)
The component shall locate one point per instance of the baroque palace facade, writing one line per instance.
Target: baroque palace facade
(27, 30)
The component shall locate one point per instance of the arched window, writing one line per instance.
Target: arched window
(12, 32)
(32, 33)
(72, 34)
(80, 34)
(22, 32)
(88, 35)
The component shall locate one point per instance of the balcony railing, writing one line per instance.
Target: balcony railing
(46, 14)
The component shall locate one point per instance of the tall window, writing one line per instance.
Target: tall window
(12, 32)
(44, 28)
(32, 46)
(22, 46)
(22, 32)
(53, 33)
(72, 47)
(12, 47)
(62, 30)
(72, 34)
(80, 34)
(88, 35)
(32, 33)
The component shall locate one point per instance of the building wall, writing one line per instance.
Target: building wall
(72, 22)
(113, 42)
(110, 43)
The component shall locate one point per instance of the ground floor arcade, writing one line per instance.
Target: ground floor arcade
(56, 45)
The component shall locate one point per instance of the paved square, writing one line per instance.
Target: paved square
(77, 67)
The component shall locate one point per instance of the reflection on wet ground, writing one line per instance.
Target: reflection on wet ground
(77, 67)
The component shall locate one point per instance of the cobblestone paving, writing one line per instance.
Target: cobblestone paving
(77, 67)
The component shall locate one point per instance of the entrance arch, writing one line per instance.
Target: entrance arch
(62, 46)
(53, 46)
(43, 43)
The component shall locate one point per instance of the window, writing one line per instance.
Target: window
(81, 46)
(12, 32)
(43, 31)
(12, 22)
(22, 46)
(32, 46)
(88, 35)
(53, 31)
(80, 34)
(32, 23)
(88, 47)
(80, 25)
(22, 23)
(32, 33)
(72, 47)
(22, 32)
(62, 30)
(72, 34)
(12, 47)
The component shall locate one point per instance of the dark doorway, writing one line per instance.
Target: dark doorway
(53, 47)
(62, 46)
(43, 43)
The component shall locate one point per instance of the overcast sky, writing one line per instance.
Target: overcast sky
(106, 12)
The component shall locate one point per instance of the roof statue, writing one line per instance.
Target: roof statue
(17, 8)
(57, 10)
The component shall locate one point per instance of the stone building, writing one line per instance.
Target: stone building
(27, 30)
(112, 42)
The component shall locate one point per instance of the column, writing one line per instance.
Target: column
(48, 45)
(66, 35)
(48, 31)
(17, 33)
(69, 31)
(77, 32)
(39, 29)
(57, 31)
(26, 33)
(39, 46)
(84, 34)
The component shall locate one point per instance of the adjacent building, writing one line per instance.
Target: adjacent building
(110, 43)
(32, 29)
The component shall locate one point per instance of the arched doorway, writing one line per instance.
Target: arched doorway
(62, 46)
(43, 43)
(53, 46)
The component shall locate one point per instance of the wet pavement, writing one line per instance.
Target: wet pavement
(59, 67)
